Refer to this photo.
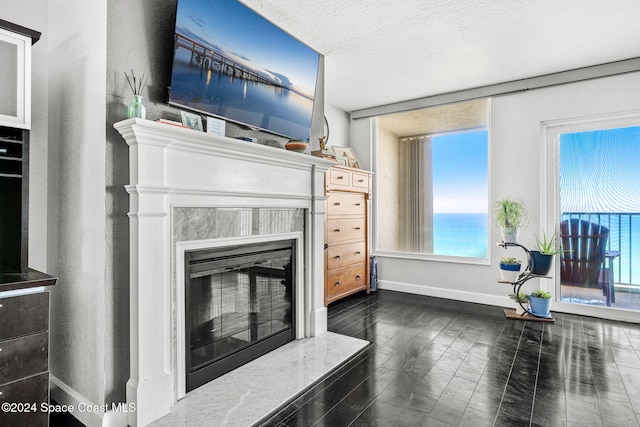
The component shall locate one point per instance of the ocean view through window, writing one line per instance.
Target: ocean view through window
(460, 191)
(432, 182)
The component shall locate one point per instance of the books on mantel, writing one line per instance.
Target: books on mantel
(171, 122)
(325, 154)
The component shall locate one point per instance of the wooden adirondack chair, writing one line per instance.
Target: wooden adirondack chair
(583, 262)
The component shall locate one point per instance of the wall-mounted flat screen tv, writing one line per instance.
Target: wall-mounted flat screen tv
(232, 63)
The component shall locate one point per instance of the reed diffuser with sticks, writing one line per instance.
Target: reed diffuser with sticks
(137, 84)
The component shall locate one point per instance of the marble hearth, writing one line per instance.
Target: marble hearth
(190, 189)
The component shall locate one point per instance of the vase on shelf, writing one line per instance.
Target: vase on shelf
(296, 145)
(137, 108)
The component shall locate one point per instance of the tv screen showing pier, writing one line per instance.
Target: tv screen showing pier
(230, 62)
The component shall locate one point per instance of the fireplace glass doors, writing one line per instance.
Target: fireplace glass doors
(239, 306)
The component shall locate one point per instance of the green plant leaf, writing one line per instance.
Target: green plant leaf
(510, 213)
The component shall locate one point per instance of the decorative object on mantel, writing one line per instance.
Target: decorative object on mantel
(326, 133)
(324, 152)
(192, 121)
(297, 145)
(322, 141)
(216, 126)
(171, 122)
(136, 107)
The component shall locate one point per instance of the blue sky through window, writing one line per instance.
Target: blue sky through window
(599, 171)
(460, 172)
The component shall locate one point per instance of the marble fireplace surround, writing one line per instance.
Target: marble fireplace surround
(180, 181)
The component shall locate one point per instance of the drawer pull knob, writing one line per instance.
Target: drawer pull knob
(337, 230)
(357, 204)
(361, 180)
(336, 204)
(337, 284)
(337, 257)
(358, 253)
(357, 228)
(340, 177)
(358, 277)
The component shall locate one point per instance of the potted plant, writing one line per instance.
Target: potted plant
(542, 258)
(521, 299)
(509, 269)
(510, 216)
(540, 303)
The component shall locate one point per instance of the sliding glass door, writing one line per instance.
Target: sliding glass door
(597, 212)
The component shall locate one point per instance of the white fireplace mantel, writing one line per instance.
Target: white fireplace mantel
(178, 167)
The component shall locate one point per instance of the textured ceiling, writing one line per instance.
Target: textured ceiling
(383, 51)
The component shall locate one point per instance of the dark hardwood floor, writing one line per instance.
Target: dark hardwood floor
(436, 362)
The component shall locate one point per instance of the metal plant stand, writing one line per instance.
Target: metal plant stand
(525, 276)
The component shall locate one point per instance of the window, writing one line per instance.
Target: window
(432, 181)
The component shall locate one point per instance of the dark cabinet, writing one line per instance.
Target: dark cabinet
(24, 359)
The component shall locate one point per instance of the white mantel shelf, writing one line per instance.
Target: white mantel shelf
(170, 167)
(136, 131)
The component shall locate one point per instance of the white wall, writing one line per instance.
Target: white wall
(76, 214)
(515, 141)
(338, 122)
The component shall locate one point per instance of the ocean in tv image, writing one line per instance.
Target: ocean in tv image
(232, 63)
(461, 234)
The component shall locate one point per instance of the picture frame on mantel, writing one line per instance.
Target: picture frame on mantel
(192, 121)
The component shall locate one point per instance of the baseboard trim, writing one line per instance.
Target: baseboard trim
(453, 294)
(63, 394)
(504, 301)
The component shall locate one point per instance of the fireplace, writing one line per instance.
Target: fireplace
(239, 305)
(190, 191)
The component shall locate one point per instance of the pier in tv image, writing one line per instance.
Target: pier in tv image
(232, 63)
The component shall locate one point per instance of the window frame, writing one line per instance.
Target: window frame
(550, 195)
(375, 251)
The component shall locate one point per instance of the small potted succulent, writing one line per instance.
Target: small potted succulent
(542, 258)
(521, 299)
(510, 269)
(540, 303)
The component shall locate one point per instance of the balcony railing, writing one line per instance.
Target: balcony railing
(624, 236)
